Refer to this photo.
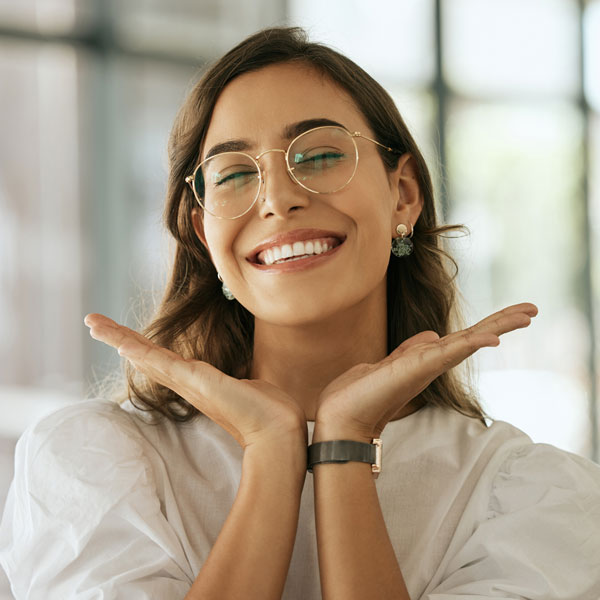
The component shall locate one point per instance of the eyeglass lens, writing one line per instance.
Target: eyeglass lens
(322, 160)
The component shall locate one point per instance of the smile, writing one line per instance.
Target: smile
(291, 252)
(297, 256)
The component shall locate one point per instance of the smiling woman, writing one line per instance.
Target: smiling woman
(277, 98)
(310, 324)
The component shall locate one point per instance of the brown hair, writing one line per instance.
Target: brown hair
(194, 318)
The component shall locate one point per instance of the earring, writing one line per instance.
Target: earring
(403, 245)
(226, 291)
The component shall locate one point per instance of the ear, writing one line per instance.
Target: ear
(407, 196)
(198, 222)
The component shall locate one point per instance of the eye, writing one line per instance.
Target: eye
(234, 176)
(318, 158)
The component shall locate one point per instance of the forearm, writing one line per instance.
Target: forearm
(251, 556)
(356, 556)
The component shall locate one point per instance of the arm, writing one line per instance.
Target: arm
(252, 554)
(356, 557)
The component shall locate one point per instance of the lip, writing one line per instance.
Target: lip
(296, 265)
(296, 235)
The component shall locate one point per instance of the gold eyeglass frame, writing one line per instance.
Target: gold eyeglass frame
(290, 170)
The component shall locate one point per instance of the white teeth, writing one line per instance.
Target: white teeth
(277, 254)
(298, 248)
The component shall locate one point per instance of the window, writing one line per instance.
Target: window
(500, 93)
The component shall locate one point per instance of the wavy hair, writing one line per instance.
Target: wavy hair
(194, 318)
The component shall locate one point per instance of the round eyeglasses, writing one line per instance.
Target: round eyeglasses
(322, 160)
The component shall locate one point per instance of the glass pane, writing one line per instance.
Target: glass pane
(594, 202)
(40, 241)
(393, 43)
(46, 16)
(130, 106)
(150, 94)
(511, 46)
(193, 29)
(592, 53)
(515, 180)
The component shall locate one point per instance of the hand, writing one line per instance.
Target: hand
(252, 411)
(364, 399)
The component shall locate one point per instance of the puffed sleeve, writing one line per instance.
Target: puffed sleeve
(83, 519)
(540, 538)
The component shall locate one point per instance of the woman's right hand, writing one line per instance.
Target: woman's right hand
(252, 411)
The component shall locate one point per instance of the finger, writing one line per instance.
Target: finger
(438, 357)
(195, 381)
(456, 347)
(502, 322)
(158, 363)
(524, 309)
(513, 317)
(106, 330)
(422, 337)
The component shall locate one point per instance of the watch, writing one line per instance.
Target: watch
(342, 451)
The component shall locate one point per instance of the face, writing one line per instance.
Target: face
(257, 108)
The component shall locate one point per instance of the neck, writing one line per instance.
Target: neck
(303, 359)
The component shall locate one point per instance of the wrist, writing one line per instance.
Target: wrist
(337, 445)
(327, 430)
(285, 457)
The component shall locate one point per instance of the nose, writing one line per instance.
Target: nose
(279, 194)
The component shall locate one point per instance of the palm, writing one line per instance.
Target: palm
(367, 396)
(250, 410)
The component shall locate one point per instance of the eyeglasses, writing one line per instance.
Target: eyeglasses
(322, 160)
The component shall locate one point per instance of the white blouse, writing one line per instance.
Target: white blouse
(107, 506)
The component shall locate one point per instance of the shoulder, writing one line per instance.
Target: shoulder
(455, 441)
(103, 417)
(540, 537)
(86, 456)
(84, 489)
(541, 475)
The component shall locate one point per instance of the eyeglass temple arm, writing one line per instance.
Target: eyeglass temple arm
(358, 134)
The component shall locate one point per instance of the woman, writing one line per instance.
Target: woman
(309, 303)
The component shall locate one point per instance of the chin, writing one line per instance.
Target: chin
(298, 312)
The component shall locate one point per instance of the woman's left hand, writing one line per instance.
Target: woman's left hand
(361, 401)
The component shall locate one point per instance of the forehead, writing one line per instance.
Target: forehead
(258, 106)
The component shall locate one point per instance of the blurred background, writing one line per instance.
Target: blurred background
(503, 97)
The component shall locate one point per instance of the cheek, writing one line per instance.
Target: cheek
(374, 226)
(220, 242)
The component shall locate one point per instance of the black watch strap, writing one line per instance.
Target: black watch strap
(342, 451)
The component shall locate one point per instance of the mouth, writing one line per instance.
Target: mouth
(296, 251)
(302, 262)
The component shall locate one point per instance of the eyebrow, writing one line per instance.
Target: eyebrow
(289, 133)
(295, 129)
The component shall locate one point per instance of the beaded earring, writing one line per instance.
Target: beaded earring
(402, 246)
(226, 291)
